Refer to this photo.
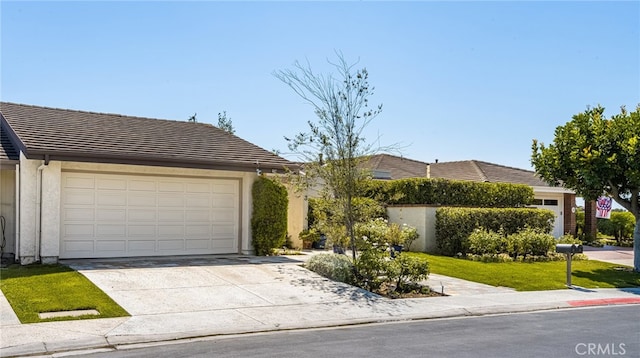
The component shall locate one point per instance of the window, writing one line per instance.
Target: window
(551, 202)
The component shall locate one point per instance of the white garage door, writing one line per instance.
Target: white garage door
(110, 215)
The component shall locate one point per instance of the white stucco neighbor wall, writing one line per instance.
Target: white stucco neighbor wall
(423, 218)
(8, 207)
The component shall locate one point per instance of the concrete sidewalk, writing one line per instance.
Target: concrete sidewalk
(198, 297)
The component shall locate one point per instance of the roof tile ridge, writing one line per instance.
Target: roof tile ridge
(506, 166)
(479, 170)
(106, 113)
(403, 158)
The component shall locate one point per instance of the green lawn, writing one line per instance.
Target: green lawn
(49, 288)
(534, 276)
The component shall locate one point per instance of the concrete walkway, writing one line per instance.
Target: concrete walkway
(613, 254)
(182, 298)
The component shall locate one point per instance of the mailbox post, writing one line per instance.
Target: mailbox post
(568, 250)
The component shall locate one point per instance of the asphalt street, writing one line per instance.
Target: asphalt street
(596, 331)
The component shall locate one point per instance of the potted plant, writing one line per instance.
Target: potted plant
(309, 237)
(399, 237)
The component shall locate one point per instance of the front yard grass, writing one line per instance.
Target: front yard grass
(51, 288)
(536, 276)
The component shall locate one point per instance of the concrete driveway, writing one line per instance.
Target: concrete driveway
(201, 291)
(613, 254)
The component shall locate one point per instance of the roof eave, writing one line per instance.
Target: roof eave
(151, 161)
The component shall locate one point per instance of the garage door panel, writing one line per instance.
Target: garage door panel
(223, 231)
(171, 216)
(170, 187)
(111, 245)
(198, 231)
(142, 185)
(173, 245)
(117, 215)
(222, 244)
(78, 230)
(137, 215)
(110, 215)
(142, 245)
(223, 216)
(224, 201)
(194, 244)
(171, 230)
(145, 199)
(171, 200)
(76, 247)
(112, 184)
(197, 201)
(198, 188)
(79, 197)
(78, 214)
(141, 230)
(106, 230)
(79, 182)
(111, 198)
(197, 216)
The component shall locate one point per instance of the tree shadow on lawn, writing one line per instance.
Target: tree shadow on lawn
(619, 277)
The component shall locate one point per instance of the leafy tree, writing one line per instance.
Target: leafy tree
(225, 123)
(334, 146)
(620, 225)
(593, 155)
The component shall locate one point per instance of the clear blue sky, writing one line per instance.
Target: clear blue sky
(458, 80)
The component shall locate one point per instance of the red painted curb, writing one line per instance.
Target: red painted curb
(605, 301)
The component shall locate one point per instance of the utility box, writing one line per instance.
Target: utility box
(568, 249)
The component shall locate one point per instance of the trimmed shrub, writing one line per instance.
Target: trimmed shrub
(269, 216)
(529, 242)
(407, 272)
(332, 266)
(486, 242)
(455, 225)
(424, 191)
(380, 232)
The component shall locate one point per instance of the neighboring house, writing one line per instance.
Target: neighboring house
(559, 200)
(77, 184)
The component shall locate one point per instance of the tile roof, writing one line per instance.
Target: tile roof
(472, 170)
(7, 151)
(73, 135)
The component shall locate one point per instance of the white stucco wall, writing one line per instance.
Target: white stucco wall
(50, 230)
(423, 218)
(8, 207)
(27, 209)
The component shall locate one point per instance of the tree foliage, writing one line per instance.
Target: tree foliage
(334, 145)
(225, 123)
(594, 155)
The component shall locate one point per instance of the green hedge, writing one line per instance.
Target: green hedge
(269, 217)
(365, 209)
(449, 192)
(524, 243)
(454, 225)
